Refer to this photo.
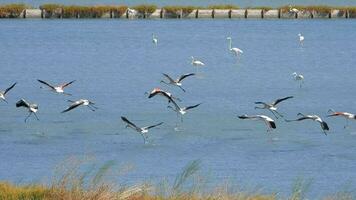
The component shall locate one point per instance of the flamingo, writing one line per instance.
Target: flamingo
(32, 108)
(181, 110)
(158, 91)
(324, 126)
(197, 63)
(143, 131)
(293, 10)
(234, 50)
(268, 121)
(272, 106)
(346, 115)
(3, 93)
(80, 102)
(301, 38)
(178, 81)
(154, 39)
(298, 77)
(58, 89)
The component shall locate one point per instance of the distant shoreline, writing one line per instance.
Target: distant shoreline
(148, 11)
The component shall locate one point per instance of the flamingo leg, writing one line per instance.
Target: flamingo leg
(347, 124)
(273, 114)
(36, 116)
(5, 100)
(28, 116)
(90, 108)
(278, 113)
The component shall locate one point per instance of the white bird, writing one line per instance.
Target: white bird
(158, 91)
(272, 106)
(32, 108)
(181, 110)
(3, 93)
(299, 78)
(293, 10)
(154, 39)
(197, 63)
(234, 50)
(178, 81)
(301, 38)
(324, 126)
(268, 121)
(80, 102)
(143, 131)
(346, 115)
(57, 89)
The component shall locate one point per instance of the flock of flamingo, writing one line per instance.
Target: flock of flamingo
(180, 111)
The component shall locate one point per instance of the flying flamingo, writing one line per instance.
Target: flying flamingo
(272, 106)
(178, 81)
(346, 115)
(58, 89)
(299, 78)
(324, 126)
(32, 108)
(143, 131)
(80, 102)
(3, 93)
(268, 121)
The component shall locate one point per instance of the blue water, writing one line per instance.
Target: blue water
(115, 63)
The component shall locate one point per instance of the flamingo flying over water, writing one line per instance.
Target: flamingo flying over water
(178, 81)
(158, 91)
(324, 126)
(32, 108)
(142, 130)
(346, 115)
(57, 89)
(80, 102)
(268, 121)
(3, 93)
(272, 106)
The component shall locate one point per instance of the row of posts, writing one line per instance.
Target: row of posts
(203, 13)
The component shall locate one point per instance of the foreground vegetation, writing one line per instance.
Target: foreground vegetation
(75, 183)
(145, 10)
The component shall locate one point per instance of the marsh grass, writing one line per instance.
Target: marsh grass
(223, 6)
(79, 180)
(176, 11)
(145, 9)
(12, 10)
(265, 8)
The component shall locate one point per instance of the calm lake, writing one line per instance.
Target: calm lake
(114, 63)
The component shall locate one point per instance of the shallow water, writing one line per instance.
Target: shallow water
(115, 63)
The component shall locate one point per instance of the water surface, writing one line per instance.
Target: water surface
(114, 63)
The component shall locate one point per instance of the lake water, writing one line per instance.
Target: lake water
(114, 63)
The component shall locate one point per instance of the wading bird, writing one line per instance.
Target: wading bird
(272, 106)
(32, 108)
(301, 38)
(299, 78)
(178, 81)
(143, 131)
(268, 121)
(293, 10)
(154, 39)
(324, 126)
(57, 89)
(346, 115)
(234, 50)
(3, 93)
(197, 63)
(158, 91)
(84, 102)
